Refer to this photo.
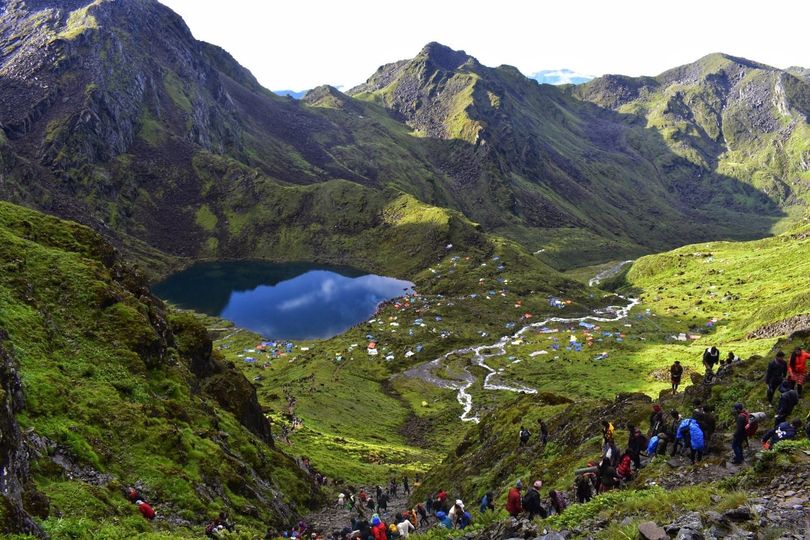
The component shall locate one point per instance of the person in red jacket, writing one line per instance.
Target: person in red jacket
(146, 510)
(623, 470)
(513, 504)
(379, 530)
(797, 368)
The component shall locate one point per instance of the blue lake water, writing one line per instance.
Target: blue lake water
(285, 301)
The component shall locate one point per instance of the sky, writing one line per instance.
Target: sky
(299, 45)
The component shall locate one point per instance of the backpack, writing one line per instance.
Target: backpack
(524, 435)
(751, 425)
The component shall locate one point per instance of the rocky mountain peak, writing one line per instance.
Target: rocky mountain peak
(444, 57)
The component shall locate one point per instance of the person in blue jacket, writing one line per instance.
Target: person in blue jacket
(696, 441)
(444, 520)
(783, 432)
(657, 442)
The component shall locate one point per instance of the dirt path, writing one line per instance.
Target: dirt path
(334, 518)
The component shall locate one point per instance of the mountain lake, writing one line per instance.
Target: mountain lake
(285, 301)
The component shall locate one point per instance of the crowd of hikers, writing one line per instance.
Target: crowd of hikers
(670, 433)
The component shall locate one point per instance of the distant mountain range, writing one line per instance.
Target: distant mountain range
(560, 76)
(114, 115)
(291, 93)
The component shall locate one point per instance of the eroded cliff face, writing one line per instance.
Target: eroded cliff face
(17, 495)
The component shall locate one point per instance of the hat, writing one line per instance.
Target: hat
(538, 484)
(519, 484)
(459, 503)
(375, 521)
(441, 515)
(738, 406)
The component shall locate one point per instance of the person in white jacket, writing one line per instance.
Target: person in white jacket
(405, 527)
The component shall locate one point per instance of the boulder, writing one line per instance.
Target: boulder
(649, 530)
(689, 534)
(690, 520)
(743, 513)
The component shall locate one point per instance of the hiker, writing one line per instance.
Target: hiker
(797, 368)
(382, 502)
(423, 515)
(696, 441)
(585, 484)
(362, 496)
(711, 356)
(404, 528)
(607, 476)
(441, 501)
(219, 526)
(557, 500)
(624, 470)
(429, 503)
(788, 400)
(379, 530)
(636, 443)
(370, 504)
(464, 520)
(531, 501)
(364, 527)
(392, 490)
(740, 433)
(675, 374)
(513, 500)
(444, 521)
(487, 502)
(657, 445)
(672, 434)
(456, 511)
(608, 432)
(406, 487)
(785, 431)
(656, 420)
(776, 373)
(145, 509)
(683, 437)
(341, 501)
(524, 436)
(543, 431)
(379, 491)
(133, 495)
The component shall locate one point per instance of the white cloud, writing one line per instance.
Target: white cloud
(298, 46)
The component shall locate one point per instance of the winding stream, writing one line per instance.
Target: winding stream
(427, 370)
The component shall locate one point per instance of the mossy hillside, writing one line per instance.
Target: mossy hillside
(110, 390)
(489, 458)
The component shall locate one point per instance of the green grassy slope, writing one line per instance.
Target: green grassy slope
(118, 391)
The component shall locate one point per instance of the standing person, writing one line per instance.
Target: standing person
(797, 368)
(776, 373)
(636, 443)
(406, 487)
(379, 529)
(543, 431)
(531, 501)
(429, 503)
(711, 357)
(557, 500)
(672, 432)
(487, 502)
(608, 432)
(656, 420)
(513, 500)
(585, 484)
(523, 436)
(788, 400)
(740, 435)
(423, 515)
(696, 442)
(675, 374)
(341, 502)
(382, 502)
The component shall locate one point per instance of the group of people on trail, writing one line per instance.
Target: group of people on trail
(531, 502)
